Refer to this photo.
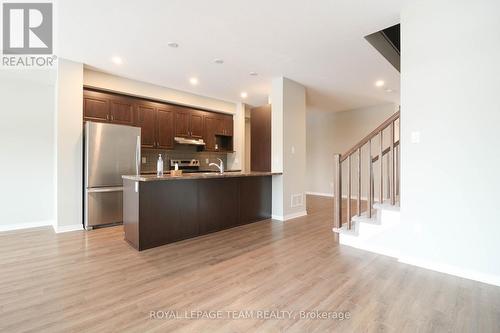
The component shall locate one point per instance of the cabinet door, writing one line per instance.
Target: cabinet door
(121, 111)
(260, 127)
(211, 124)
(228, 125)
(95, 106)
(219, 129)
(196, 125)
(181, 123)
(146, 119)
(165, 126)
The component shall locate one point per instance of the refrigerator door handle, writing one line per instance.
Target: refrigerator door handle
(105, 189)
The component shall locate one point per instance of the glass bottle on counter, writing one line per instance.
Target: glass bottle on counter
(159, 167)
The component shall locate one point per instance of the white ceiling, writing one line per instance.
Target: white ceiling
(317, 43)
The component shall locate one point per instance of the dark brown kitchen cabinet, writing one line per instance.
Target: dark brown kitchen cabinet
(165, 127)
(224, 125)
(181, 123)
(218, 132)
(106, 107)
(95, 106)
(189, 123)
(196, 124)
(227, 125)
(260, 143)
(121, 110)
(160, 122)
(146, 120)
(157, 125)
(211, 127)
(217, 214)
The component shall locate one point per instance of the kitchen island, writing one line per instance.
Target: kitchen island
(166, 209)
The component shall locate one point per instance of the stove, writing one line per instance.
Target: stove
(186, 165)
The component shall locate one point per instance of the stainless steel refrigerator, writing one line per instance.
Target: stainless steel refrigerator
(110, 152)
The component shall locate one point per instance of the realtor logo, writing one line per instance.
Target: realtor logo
(27, 28)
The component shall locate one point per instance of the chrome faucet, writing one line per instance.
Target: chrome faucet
(220, 167)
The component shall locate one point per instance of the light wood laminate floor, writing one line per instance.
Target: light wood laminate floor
(94, 282)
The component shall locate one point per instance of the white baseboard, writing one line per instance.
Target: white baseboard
(37, 224)
(331, 195)
(67, 228)
(452, 270)
(289, 216)
(320, 194)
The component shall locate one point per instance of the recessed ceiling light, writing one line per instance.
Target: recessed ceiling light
(117, 60)
(253, 73)
(379, 83)
(244, 94)
(219, 61)
(193, 81)
(173, 44)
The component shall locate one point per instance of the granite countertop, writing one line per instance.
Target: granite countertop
(207, 175)
(198, 171)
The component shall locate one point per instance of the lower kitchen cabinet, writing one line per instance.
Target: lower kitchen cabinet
(165, 211)
(217, 193)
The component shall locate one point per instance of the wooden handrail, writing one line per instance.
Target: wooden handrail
(370, 136)
(391, 167)
(386, 150)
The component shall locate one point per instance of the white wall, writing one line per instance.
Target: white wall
(450, 182)
(288, 147)
(69, 146)
(142, 89)
(27, 148)
(329, 133)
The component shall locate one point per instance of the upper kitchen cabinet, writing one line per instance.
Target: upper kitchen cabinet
(156, 121)
(146, 120)
(95, 106)
(121, 110)
(160, 122)
(224, 125)
(211, 128)
(188, 123)
(227, 125)
(165, 127)
(196, 124)
(218, 132)
(181, 123)
(105, 107)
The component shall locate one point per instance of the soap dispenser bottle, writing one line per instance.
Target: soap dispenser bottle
(159, 167)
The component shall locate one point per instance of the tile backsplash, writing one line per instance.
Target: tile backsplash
(184, 152)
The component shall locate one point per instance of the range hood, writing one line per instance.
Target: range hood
(185, 141)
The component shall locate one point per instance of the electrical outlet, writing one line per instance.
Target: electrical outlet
(144, 160)
(207, 161)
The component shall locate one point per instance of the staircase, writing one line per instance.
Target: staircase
(371, 170)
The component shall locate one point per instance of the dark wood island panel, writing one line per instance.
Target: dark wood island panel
(162, 212)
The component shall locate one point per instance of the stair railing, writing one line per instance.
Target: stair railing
(393, 172)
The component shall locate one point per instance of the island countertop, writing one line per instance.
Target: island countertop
(204, 175)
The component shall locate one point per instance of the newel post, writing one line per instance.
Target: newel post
(337, 184)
